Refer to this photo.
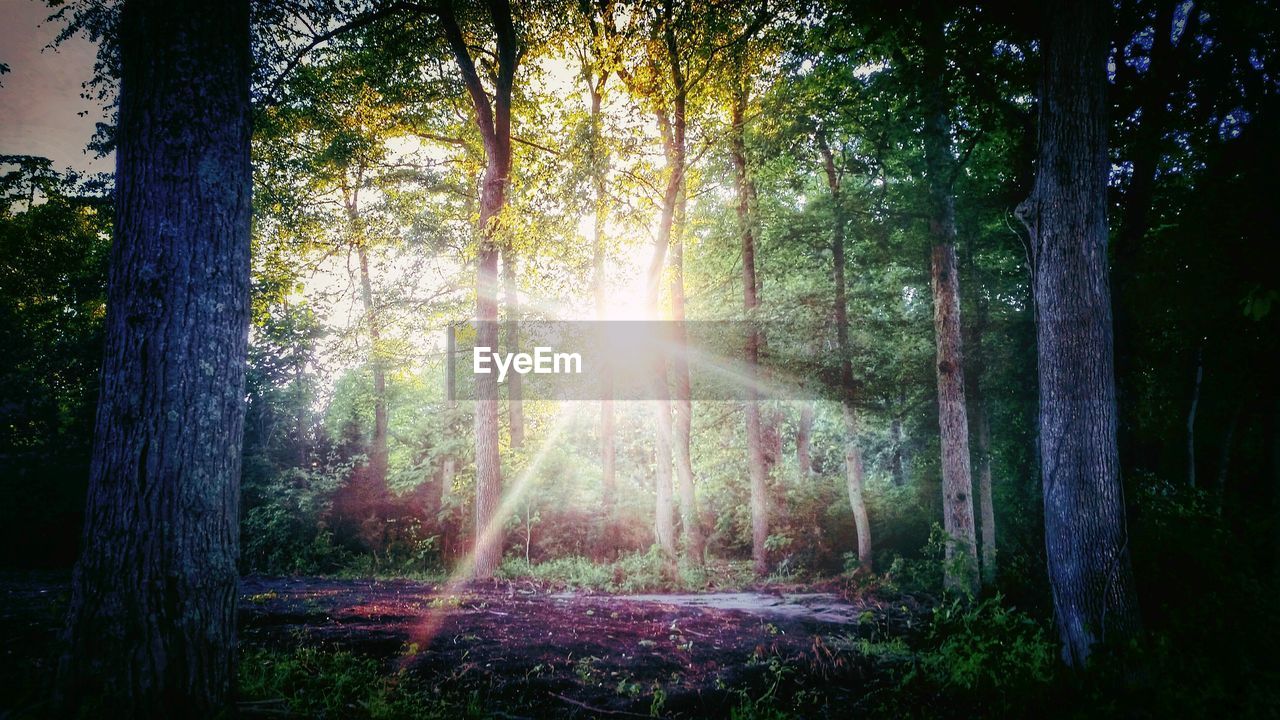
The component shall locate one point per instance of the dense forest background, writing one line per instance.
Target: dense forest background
(798, 167)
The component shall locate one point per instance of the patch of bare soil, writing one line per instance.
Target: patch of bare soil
(538, 653)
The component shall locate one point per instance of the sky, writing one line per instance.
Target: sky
(41, 110)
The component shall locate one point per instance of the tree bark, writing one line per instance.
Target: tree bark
(848, 388)
(986, 501)
(608, 452)
(515, 389)
(957, 483)
(1086, 540)
(493, 119)
(376, 487)
(682, 408)
(151, 626)
(756, 468)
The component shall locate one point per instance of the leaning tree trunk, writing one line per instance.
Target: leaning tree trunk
(953, 423)
(756, 467)
(493, 120)
(1086, 543)
(151, 624)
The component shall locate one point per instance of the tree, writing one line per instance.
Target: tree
(854, 469)
(493, 119)
(1066, 215)
(151, 624)
(953, 421)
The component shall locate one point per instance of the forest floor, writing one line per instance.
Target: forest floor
(521, 649)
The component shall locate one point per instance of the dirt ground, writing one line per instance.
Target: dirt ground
(535, 651)
(579, 654)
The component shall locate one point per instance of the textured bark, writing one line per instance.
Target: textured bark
(493, 119)
(151, 623)
(804, 433)
(515, 388)
(1086, 540)
(848, 388)
(953, 423)
(756, 468)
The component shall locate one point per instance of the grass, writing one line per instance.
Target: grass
(634, 573)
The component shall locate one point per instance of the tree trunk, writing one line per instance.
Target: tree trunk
(953, 423)
(682, 408)
(608, 453)
(804, 432)
(493, 119)
(986, 501)
(376, 479)
(1085, 537)
(1191, 418)
(756, 467)
(151, 626)
(848, 388)
(982, 431)
(853, 474)
(897, 469)
(515, 390)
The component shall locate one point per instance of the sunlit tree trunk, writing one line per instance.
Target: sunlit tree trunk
(848, 390)
(493, 119)
(953, 422)
(1087, 549)
(151, 624)
(682, 408)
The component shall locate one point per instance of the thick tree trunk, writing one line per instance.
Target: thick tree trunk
(957, 482)
(493, 120)
(804, 433)
(1086, 541)
(848, 387)
(756, 467)
(151, 623)
(515, 389)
